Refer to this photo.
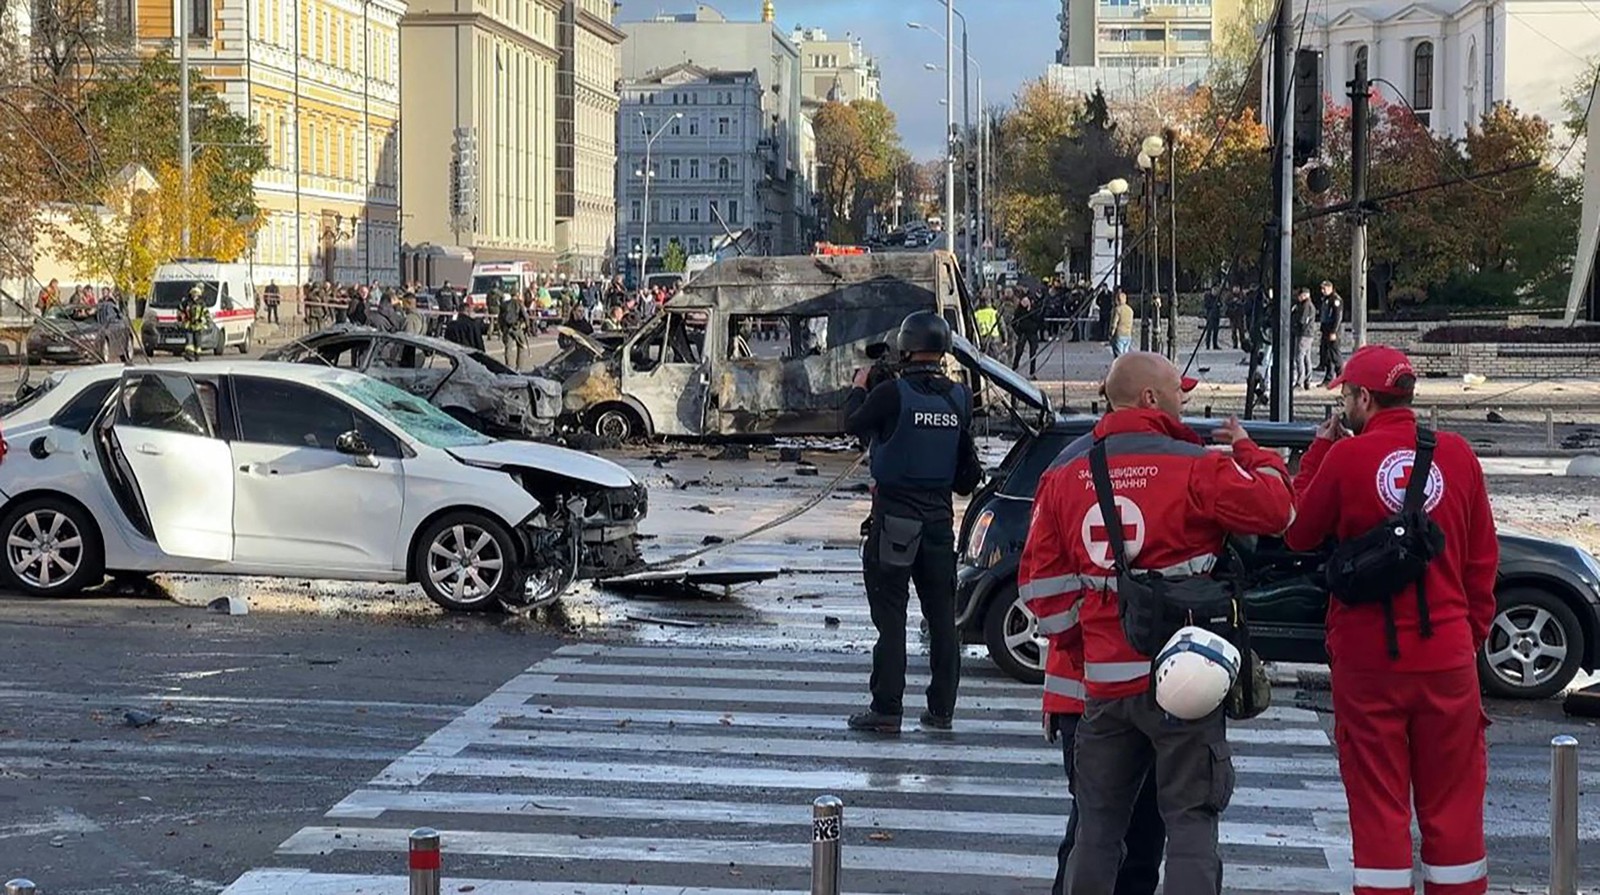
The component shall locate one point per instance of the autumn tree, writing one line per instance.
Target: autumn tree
(858, 154)
(1030, 208)
(1224, 192)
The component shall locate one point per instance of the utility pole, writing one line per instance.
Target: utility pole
(949, 126)
(1283, 204)
(983, 161)
(185, 149)
(966, 154)
(1172, 237)
(1360, 90)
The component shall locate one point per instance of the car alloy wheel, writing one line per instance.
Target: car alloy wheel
(1011, 632)
(465, 563)
(44, 548)
(1534, 648)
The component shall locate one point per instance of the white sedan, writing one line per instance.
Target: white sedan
(251, 468)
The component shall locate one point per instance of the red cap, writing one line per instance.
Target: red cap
(1189, 382)
(1375, 368)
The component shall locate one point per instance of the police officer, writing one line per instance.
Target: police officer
(915, 425)
(1408, 717)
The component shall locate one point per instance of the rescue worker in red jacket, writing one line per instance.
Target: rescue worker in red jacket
(1409, 725)
(1178, 501)
(1146, 838)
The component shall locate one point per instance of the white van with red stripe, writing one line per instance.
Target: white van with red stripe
(512, 278)
(229, 296)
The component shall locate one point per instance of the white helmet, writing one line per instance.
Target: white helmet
(1194, 673)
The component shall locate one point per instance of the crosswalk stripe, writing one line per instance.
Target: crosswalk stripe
(370, 804)
(304, 882)
(410, 771)
(826, 723)
(873, 858)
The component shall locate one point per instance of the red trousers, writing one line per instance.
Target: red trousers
(1414, 737)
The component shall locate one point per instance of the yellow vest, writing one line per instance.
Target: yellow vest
(988, 322)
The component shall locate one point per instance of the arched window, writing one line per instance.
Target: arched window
(1361, 58)
(1472, 82)
(1422, 79)
(723, 169)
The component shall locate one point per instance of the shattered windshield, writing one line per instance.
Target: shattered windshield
(412, 415)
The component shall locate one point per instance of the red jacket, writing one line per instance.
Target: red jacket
(1347, 487)
(1177, 501)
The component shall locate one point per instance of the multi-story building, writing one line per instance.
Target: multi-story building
(586, 136)
(322, 79)
(479, 161)
(833, 70)
(1454, 59)
(707, 40)
(704, 168)
(1140, 33)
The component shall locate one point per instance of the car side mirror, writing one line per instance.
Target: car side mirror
(355, 444)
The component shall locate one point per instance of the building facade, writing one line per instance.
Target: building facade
(705, 168)
(709, 41)
(1140, 33)
(586, 137)
(321, 78)
(1453, 60)
(479, 164)
(834, 70)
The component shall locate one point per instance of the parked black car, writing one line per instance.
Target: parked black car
(1548, 628)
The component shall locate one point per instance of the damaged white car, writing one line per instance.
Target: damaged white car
(479, 391)
(252, 468)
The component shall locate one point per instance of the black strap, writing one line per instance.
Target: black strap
(1415, 502)
(1100, 467)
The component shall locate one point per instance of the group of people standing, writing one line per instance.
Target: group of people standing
(1316, 324)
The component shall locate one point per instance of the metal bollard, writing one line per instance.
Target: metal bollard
(827, 826)
(20, 886)
(424, 861)
(1549, 428)
(1433, 418)
(1563, 816)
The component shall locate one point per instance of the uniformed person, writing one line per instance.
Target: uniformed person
(915, 425)
(195, 320)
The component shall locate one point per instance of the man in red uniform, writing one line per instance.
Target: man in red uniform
(1177, 502)
(1409, 725)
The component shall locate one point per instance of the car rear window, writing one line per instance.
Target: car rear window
(1036, 456)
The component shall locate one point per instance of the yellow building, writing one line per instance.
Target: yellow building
(481, 72)
(322, 80)
(586, 136)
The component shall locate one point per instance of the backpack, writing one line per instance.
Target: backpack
(1152, 607)
(1376, 566)
(510, 312)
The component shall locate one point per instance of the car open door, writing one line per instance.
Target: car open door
(164, 441)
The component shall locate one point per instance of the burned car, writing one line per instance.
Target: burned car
(755, 346)
(66, 334)
(471, 386)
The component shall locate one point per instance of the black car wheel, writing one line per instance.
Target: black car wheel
(1535, 646)
(1011, 631)
(52, 549)
(222, 342)
(467, 562)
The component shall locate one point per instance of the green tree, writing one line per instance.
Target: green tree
(1575, 100)
(675, 259)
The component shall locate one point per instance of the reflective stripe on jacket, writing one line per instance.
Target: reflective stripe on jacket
(1177, 501)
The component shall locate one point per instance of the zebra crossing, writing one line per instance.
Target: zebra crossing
(640, 770)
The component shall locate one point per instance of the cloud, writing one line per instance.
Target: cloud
(1012, 40)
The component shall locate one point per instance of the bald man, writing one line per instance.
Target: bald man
(1175, 503)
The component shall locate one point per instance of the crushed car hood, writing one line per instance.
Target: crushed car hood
(558, 460)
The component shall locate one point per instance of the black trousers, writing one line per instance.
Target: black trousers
(1209, 335)
(1332, 360)
(1029, 340)
(889, 595)
(1146, 838)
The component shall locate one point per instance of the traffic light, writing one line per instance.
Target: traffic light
(464, 174)
(1307, 105)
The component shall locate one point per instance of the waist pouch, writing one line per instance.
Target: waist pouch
(899, 539)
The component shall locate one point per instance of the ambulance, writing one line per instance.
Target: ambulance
(511, 277)
(227, 292)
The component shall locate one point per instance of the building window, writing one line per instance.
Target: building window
(694, 126)
(724, 126)
(1422, 80)
(722, 169)
(694, 169)
(655, 247)
(1361, 57)
(1488, 57)
(675, 169)
(675, 211)
(677, 127)
(655, 209)
(199, 18)
(694, 245)
(713, 215)
(694, 211)
(733, 211)
(635, 211)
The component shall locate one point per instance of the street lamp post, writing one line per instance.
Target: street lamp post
(645, 174)
(1150, 152)
(966, 116)
(1118, 188)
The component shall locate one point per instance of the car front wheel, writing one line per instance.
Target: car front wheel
(1535, 646)
(466, 562)
(1011, 632)
(52, 549)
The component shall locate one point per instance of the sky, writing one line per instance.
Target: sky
(1012, 41)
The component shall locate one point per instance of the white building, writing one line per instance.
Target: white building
(834, 70)
(706, 166)
(1453, 59)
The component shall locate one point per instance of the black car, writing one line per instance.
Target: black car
(1548, 628)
